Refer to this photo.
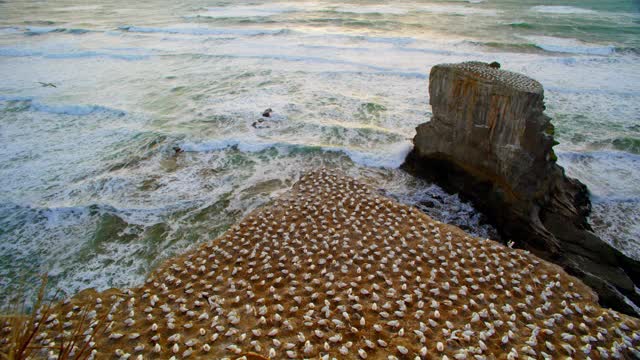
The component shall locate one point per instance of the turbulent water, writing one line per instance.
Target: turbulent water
(90, 189)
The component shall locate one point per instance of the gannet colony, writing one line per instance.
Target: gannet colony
(334, 270)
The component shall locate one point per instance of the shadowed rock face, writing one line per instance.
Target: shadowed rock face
(490, 140)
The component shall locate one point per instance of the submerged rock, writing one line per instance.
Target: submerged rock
(490, 140)
(334, 270)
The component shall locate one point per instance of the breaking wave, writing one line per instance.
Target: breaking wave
(191, 30)
(560, 9)
(568, 45)
(28, 103)
(391, 156)
(68, 54)
(39, 30)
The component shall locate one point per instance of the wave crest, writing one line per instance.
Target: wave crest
(60, 109)
(569, 45)
(561, 9)
(389, 156)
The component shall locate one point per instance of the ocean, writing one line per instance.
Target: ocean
(94, 96)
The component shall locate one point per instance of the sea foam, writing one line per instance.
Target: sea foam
(78, 110)
(61, 109)
(568, 45)
(194, 30)
(402, 9)
(390, 156)
(560, 9)
(610, 175)
(68, 54)
(263, 10)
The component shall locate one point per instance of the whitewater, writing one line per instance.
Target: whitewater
(95, 96)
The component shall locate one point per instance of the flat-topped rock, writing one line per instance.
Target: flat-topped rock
(490, 141)
(489, 127)
(509, 79)
(333, 270)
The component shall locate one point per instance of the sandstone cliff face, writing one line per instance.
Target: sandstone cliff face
(490, 140)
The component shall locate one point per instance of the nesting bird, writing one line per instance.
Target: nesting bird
(493, 72)
(332, 271)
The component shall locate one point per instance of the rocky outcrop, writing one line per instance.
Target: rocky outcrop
(490, 141)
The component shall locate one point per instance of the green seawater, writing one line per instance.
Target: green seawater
(92, 192)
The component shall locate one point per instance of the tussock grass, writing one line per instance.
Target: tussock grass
(31, 331)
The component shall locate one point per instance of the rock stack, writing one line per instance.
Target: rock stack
(335, 271)
(490, 141)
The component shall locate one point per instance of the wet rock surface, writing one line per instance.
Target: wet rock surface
(490, 141)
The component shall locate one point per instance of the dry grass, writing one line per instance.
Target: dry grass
(24, 327)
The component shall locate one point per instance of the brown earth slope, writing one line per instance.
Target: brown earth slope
(334, 270)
